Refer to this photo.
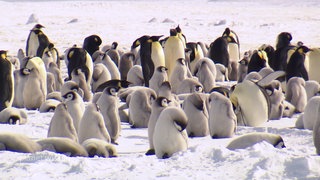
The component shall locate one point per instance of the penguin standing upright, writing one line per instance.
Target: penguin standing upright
(7, 81)
(258, 60)
(91, 44)
(195, 55)
(173, 50)
(181, 36)
(296, 66)
(37, 41)
(281, 53)
(218, 51)
(157, 54)
(234, 52)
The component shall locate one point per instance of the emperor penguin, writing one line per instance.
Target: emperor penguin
(18, 143)
(12, 115)
(218, 51)
(247, 140)
(70, 86)
(312, 57)
(113, 53)
(296, 93)
(78, 76)
(111, 66)
(195, 107)
(76, 58)
(61, 124)
(113, 83)
(195, 55)
(109, 107)
(283, 45)
(35, 88)
(222, 119)
(54, 69)
(246, 96)
(19, 81)
(270, 53)
(140, 107)
(75, 107)
(62, 145)
(157, 53)
(100, 148)
(170, 135)
(126, 62)
(49, 105)
(159, 76)
(316, 134)
(296, 65)
(190, 85)
(47, 57)
(311, 115)
(178, 74)
(135, 76)
(92, 125)
(37, 41)
(205, 71)
(7, 81)
(156, 108)
(92, 43)
(277, 98)
(222, 73)
(243, 66)
(50, 82)
(53, 53)
(181, 36)
(100, 75)
(234, 52)
(173, 50)
(312, 88)
(165, 91)
(97, 56)
(258, 60)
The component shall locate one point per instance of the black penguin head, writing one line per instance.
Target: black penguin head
(114, 45)
(155, 38)
(303, 49)
(3, 54)
(198, 88)
(162, 69)
(182, 61)
(279, 143)
(283, 39)
(139, 41)
(38, 26)
(162, 101)
(173, 32)
(227, 32)
(112, 91)
(178, 29)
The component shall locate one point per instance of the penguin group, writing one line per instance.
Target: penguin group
(173, 88)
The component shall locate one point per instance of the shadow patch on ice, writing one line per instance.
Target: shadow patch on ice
(137, 137)
(78, 168)
(167, 20)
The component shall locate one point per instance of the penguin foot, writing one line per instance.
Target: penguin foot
(191, 135)
(150, 152)
(165, 156)
(114, 142)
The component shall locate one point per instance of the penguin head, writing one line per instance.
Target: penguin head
(3, 54)
(279, 143)
(155, 38)
(244, 62)
(181, 61)
(198, 89)
(70, 96)
(37, 26)
(14, 119)
(114, 45)
(303, 49)
(283, 39)
(139, 41)
(162, 101)
(162, 69)
(173, 32)
(112, 91)
(61, 106)
(178, 29)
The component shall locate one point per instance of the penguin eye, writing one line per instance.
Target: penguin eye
(26, 71)
(163, 69)
(69, 96)
(198, 89)
(113, 91)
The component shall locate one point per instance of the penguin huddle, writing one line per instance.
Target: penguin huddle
(169, 86)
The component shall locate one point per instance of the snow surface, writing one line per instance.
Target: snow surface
(255, 22)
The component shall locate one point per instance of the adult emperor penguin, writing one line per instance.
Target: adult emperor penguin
(296, 65)
(140, 107)
(159, 76)
(283, 45)
(61, 124)
(156, 108)
(100, 75)
(126, 62)
(222, 119)
(37, 41)
(205, 71)
(100, 148)
(63, 145)
(234, 52)
(258, 60)
(75, 108)
(76, 58)
(313, 58)
(270, 53)
(247, 140)
(12, 115)
(173, 50)
(7, 81)
(109, 107)
(181, 36)
(170, 134)
(92, 125)
(35, 88)
(18, 143)
(296, 93)
(157, 53)
(195, 107)
(92, 43)
(218, 51)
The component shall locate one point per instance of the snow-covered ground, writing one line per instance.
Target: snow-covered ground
(255, 22)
